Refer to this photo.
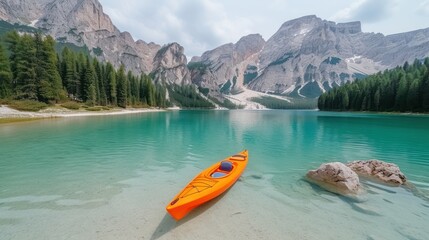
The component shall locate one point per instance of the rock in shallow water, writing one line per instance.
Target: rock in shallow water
(336, 177)
(385, 172)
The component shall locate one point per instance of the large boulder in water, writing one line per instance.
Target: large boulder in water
(374, 169)
(336, 177)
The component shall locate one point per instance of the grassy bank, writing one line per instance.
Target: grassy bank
(17, 120)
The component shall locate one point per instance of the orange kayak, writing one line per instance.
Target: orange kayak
(209, 184)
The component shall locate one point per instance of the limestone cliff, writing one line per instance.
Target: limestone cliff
(170, 66)
(227, 67)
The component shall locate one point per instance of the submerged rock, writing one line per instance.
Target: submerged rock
(336, 177)
(385, 172)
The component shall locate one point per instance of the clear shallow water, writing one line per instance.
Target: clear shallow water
(111, 177)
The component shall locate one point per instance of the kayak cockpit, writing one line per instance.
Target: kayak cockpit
(223, 170)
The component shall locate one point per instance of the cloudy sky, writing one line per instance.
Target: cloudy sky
(201, 25)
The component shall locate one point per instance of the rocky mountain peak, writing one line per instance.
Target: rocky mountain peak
(227, 65)
(297, 22)
(288, 38)
(170, 65)
(298, 27)
(309, 34)
(350, 27)
(90, 16)
(248, 45)
(170, 56)
(67, 18)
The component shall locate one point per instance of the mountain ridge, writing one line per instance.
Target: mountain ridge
(304, 58)
(308, 56)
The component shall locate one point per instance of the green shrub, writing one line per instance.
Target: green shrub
(230, 105)
(226, 103)
(28, 105)
(94, 109)
(71, 105)
(5, 101)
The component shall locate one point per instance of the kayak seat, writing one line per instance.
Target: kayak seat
(225, 166)
(223, 170)
(218, 174)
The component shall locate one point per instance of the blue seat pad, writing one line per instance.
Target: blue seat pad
(218, 174)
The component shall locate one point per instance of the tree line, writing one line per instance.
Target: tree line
(402, 89)
(187, 96)
(296, 103)
(32, 70)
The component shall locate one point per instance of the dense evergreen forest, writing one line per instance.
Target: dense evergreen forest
(402, 89)
(31, 69)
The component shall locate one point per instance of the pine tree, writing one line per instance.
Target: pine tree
(12, 39)
(111, 76)
(344, 100)
(160, 96)
(25, 64)
(81, 64)
(101, 90)
(401, 94)
(377, 100)
(88, 91)
(321, 101)
(129, 90)
(413, 96)
(149, 91)
(48, 78)
(142, 89)
(424, 93)
(122, 87)
(5, 75)
(69, 73)
(97, 80)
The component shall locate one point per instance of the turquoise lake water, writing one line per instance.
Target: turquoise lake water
(110, 177)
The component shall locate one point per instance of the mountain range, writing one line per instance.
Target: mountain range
(304, 58)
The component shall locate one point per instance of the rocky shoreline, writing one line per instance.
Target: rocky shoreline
(9, 113)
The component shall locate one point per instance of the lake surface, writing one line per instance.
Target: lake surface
(111, 177)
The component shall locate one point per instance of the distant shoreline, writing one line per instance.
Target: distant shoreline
(10, 115)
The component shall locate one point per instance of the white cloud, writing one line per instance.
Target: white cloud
(201, 25)
(347, 13)
(424, 8)
(197, 24)
(366, 11)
